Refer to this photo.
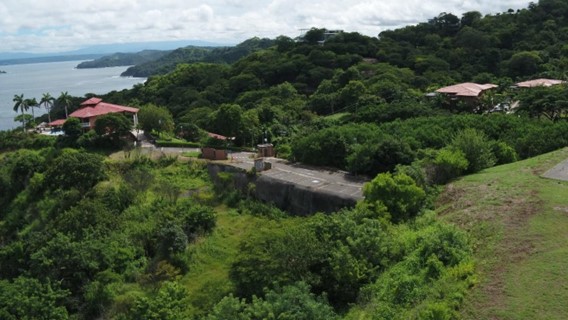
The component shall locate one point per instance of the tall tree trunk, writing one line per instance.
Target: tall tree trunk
(23, 121)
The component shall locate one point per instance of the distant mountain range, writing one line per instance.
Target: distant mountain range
(97, 51)
(123, 59)
(153, 62)
(191, 54)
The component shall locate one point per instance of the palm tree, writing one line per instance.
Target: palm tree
(47, 101)
(22, 105)
(32, 103)
(65, 99)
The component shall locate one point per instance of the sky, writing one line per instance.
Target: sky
(42, 26)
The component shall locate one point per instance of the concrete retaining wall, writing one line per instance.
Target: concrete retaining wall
(295, 199)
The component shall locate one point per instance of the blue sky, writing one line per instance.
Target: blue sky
(42, 26)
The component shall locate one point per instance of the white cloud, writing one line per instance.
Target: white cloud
(57, 25)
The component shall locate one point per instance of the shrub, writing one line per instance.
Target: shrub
(289, 302)
(171, 302)
(283, 150)
(257, 208)
(503, 152)
(172, 239)
(195, 219)
(73, 169)
(399, 193)
(72, 127)
(476, 148)
(446, 166)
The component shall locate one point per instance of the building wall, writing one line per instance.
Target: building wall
(213, 154)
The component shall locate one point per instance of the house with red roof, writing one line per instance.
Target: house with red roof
(468, 92)
(93, 108)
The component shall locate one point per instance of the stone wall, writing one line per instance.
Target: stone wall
(295, 199)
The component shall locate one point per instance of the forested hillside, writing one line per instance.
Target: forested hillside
(167, 63)
(123, 59)
(344, 92)
(92, 227)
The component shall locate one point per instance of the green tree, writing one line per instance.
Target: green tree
(548, 102)
(113, 126)
(470, 18)
(523, 64)
(350, 94)
(357, 251)
(314, 35)
(399, 193)
(32, 103)
(155, 118)
(75, 169)
(72, 127)
(288, 302)
(228, 120)
(25, 118)
(65, 99)
(47, 101)
(21, 104)
(282, 257)
(170, 303)
(28, 298)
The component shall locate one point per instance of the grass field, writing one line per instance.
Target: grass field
(518, 223)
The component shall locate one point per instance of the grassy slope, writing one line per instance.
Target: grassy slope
(208, 279)
(519, 224)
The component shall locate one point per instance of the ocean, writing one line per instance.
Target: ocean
(33, 80)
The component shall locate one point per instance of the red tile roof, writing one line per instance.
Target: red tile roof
(468, 89)
(539, 83)
(95, 107)
(91, 102)
(216, 136)
(56, 123)
(219, 137)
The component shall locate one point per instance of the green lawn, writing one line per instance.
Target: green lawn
(518, 222)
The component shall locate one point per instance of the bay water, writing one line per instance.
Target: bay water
(33, 80)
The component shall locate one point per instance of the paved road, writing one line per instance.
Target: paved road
(332, 181)
(559, 172)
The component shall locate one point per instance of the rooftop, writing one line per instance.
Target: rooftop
(96, 107)
(539, 83)
(467, 89)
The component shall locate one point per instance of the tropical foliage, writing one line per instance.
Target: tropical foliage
(145, 236)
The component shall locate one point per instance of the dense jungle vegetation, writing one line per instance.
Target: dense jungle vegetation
(85, 235)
